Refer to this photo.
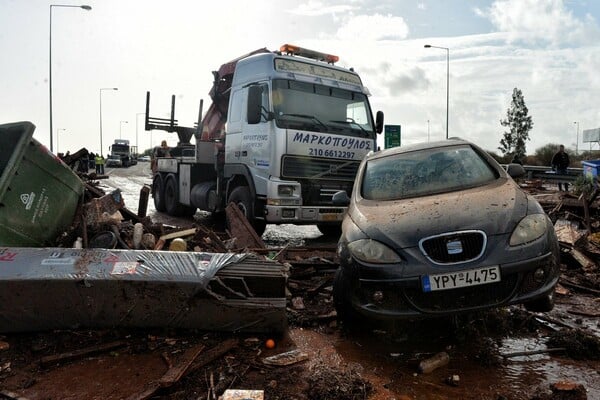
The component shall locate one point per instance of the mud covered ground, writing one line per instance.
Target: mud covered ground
(501, 354)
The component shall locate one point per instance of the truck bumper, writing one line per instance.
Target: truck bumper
(303, 214)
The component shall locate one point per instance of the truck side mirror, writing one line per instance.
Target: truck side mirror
(340, 199)
(379, 122)
(254, 110)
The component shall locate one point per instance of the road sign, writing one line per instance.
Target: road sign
(392, 135)
(591, 135)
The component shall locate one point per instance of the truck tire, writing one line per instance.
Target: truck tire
(172, 204)
(158, 193)
(330, 230)
(243, 199)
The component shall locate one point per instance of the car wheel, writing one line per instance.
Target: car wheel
(243, 199)
(543, 304)
(172, 204)
(330, 230)
(341, 301)
(158, 193)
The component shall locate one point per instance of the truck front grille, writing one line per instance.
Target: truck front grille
(294, 167)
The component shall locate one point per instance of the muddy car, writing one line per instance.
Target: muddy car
(441, 228)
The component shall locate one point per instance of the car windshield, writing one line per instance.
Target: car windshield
(309, 106)
(430, 171)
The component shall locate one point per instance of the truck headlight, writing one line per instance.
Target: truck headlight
(371, 251)
(285, 190)
(529, 229)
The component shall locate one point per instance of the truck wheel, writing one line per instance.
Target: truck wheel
(330, 230)
(243, 199)
(172, 204)
(158, 193)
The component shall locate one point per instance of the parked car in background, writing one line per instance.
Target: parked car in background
(114, 160)
(441, 228)
(144, 159)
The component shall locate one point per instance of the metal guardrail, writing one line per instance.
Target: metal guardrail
(547, 174)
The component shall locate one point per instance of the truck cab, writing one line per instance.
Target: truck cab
(286, 131)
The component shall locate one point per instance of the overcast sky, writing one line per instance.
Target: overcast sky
(550, 49)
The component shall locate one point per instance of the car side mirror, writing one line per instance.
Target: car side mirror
(340, 199)
(379, 122)
(515, 170)
(254, 109)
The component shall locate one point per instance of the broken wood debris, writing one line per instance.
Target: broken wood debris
(76, 354)
(287, 358)
(241, 229)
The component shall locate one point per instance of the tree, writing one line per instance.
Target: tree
(519, 125)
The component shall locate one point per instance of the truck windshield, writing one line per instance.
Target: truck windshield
(120, 149)
(308, 106)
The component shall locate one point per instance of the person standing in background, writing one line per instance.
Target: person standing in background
(560, 163)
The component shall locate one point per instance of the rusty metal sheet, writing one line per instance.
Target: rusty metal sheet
(57, 288)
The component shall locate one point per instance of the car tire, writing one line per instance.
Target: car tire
(341, 290)
(542, 304)
(330, 230)
(243, 199)
(158, 193)
(172, 204)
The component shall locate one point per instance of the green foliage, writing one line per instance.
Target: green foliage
(583, 184)
(519, 124)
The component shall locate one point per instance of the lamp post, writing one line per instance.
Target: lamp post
(50, 63)
(428, 131)
(101, 89)
(121, 127)
(57, 136)
(577, 143)
(136, 129)
(427, 46)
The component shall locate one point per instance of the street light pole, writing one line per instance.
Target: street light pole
(428, 131)
(88, 8)
(136, 129)
(57, 136)
(427, 46)
(121, 126)
(577, 143)
(101, 89)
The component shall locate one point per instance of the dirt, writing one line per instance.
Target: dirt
(376, 362)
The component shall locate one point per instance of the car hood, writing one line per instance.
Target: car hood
(495, 208)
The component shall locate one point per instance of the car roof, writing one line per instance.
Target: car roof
(418, 146)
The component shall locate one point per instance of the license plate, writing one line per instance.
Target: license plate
(330, 217)
(453, 280)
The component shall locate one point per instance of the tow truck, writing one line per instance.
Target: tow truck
(286, 130)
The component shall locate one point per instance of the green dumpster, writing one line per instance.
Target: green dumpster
(39, 194)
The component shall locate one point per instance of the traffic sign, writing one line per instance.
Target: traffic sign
(393, 136)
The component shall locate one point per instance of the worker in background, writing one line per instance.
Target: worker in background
(97, 163)
(162, 151)
(560, 163)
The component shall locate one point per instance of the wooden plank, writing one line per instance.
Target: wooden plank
(176, 372)
(586, 263)
(71, 355)
(241, 229)
(178, 234)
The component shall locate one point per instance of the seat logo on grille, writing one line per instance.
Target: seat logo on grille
(454, 247)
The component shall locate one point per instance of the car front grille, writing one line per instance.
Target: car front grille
(463, 298)
(318, 168)
(454, 247)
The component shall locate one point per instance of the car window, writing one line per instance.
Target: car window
(424, 172)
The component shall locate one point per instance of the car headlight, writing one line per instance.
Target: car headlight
(285, 190)
(371, 251)
(528, 229)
